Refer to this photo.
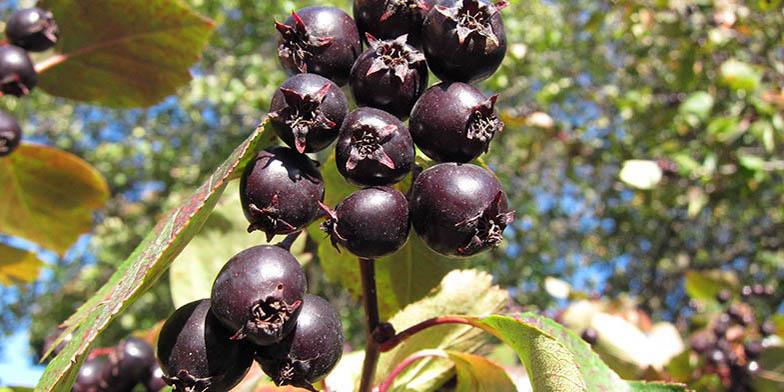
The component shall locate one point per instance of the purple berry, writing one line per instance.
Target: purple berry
(459, 209)
(129, 363)
(320, 40)
(154, 382)
(306, 112)
(258, 294)
(464, 40)
(387, 19)
(390, 76)
(90, 376)
(370, 223)
(32, 29)
(196, 352)
(17, 73)
(310, 352)
(10, 134)
(374, 148)
(280, 190)
(454, 122)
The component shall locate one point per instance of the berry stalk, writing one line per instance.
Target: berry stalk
(367, 269)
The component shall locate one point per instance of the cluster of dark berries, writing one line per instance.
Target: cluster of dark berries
(459, 209)
(114, 369)
(34, 30)
(258, 309)
(734, 340)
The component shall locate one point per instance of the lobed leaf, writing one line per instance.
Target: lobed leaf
(18, 265)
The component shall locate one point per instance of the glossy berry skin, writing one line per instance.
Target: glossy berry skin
(258, 294)
(370, 223)
(280, 190)
(390, 76)
(90, 376)
(387, 19)
(17, 73)
(459, 210)
(374, 148)
(10, 134)
(320, 40)
(195, 351)
(454, 122)
(307, 111)
(464, 40)
(32, 29)
(129, 363)
(310, 352)
(154, 380)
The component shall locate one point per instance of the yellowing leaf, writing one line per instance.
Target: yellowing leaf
(479, 374)
(48, 196)
(18, 266)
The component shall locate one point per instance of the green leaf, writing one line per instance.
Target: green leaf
(770, 376)
(698, 103)
(18, 265)
(402, 278)
(751, 162)
(222, 236)
(478, 374)
(740, 76)
(644, 386)
(123, 53)
(460, 292)
(139, 272)
(49, 196)
(705, 285)
(724, 129)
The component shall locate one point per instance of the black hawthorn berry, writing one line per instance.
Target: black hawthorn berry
(724, 296)
(32, 29)
(306, 112)
(17, 73)
(374, 148)
(10, 134)
(390, 75)
(90, 376)
(129, 363)
(154, 382)
(454, 122)
(258, 294)
(459, 209)
(387, 19)
(320, 40)
(280, 190)
(464, 40)
(590, 336)
(370, 223)
(752, 349)
(196, 352)
(310, 352)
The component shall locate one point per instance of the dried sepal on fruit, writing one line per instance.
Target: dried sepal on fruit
(32, 29)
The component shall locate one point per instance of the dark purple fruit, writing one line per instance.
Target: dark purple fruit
(390, 76)
(768, 328)
(32, 29)
(388, 19)
(464, 40)
(459, 209)
(154, 382)
(374, 148)
(310, 352)
(17, 73)
(280, 190)
(724, 296)
(590, 336)
(90, 376)
(454, 122)
(10, 134)
(753, 349)
(196, 352)
(320, 40)
(307, 111)
(130, 362)
(370, 223)
(258, 294)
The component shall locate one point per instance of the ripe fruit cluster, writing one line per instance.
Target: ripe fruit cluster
(33, 30)
(734, 340)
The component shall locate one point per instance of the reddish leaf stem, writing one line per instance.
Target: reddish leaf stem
(367, 268)
(400, 337)
(50, 62)
(406, 362)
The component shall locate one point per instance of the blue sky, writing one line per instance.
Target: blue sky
(16, 368)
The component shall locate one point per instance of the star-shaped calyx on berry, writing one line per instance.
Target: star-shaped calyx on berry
(302, 114)
(487, 226)
(298, 44)
(483, 122)
(330, 226)
(395, 56)
(393, 7)
(473, 17)
(268, 316)
(267, 219)
(366, 143)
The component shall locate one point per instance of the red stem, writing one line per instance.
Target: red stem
(400, 337)
(50, 62)
(405, 363)
(367, 268)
